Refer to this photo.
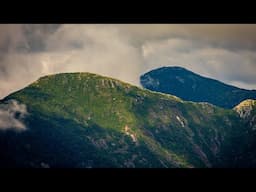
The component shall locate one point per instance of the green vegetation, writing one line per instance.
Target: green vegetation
(87, 120)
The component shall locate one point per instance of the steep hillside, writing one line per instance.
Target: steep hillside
(87, 120)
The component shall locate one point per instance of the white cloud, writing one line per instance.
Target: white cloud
(11, 116)
(28, 52)
(100, 49)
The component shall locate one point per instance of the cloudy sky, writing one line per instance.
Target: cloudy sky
(224, 52)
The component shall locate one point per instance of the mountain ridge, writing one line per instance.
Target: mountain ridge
(88, 120)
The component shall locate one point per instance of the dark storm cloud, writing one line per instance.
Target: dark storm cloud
(36, 35)
(232, 36)
(25, 38)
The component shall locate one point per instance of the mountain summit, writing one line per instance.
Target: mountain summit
(87, 120)
(193, 87)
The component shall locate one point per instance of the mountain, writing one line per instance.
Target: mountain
(87, 120)
(193, 87)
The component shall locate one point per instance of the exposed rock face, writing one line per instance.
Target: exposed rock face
(247, 111)
(245, 108)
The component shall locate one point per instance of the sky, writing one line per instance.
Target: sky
(226, 52)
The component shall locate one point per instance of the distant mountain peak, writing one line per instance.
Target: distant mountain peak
(193, 87)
